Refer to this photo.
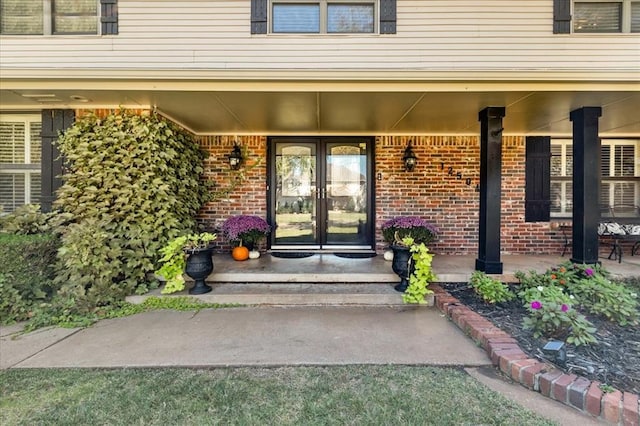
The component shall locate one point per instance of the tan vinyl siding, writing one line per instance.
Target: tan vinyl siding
(460, 35)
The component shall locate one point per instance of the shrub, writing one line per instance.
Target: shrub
(598, 295)
(491, 290)
(26, 274)
(132, 184)
(26, 220)
(559, 321)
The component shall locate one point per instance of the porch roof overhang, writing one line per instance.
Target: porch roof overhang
(356, 102)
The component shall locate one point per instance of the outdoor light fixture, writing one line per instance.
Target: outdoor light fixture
(556, 350)
(410, 160)
(235, 158)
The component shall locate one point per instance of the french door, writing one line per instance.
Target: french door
(320, 193)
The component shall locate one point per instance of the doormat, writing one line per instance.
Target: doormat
(292, 254)
(356, 255)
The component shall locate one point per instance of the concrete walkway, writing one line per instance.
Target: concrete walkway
(270, 336)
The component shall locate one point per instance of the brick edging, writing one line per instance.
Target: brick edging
(615, 407)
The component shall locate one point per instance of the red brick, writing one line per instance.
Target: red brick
(497, 337)
(560, 387)
(505, 361)
(578, 392)
(519, 365)
(593, 399)
(528, 375)
(493, 347)
(498, 353)
(611, 406)
(630, 415)
(546, 380)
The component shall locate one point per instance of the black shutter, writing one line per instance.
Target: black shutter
(538, 179)
(387, 16)
(109, 16)
(561, 16)
(53, 122)
(259, 16)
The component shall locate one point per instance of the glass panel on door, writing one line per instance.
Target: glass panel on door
(295, 194)
(346, 193)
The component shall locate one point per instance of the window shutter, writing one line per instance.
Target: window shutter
(387, 16)
(54, 121)
(538, 179)
(561, 16)
(109, 16)
(259, 16)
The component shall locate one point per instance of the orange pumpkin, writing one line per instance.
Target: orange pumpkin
(240, 253)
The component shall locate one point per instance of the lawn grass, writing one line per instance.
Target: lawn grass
(345, 395)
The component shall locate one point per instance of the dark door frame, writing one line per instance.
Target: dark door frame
(321, 142)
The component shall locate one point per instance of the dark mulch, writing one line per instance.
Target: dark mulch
(614, 360)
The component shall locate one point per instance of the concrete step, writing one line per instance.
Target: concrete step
(295, 294)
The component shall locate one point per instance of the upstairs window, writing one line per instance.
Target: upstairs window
(323, 16)
(58, 17)
(606, 16)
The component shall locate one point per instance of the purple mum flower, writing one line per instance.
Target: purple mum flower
(536, 305)
(245, 227)
(588, 272)
(564, 308)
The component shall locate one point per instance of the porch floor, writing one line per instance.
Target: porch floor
(325, 279)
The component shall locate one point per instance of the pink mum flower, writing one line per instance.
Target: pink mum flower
(536, 305)
(564, 308)
(588, 272)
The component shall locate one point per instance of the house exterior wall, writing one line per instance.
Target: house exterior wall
(440, 35)
(430, 191)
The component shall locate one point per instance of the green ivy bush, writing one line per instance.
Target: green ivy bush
(26, 274)
(131, 184)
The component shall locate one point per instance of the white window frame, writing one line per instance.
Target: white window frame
(625, 24)
(27, 168)
(47, 24)
(324, 6)
(567, 147)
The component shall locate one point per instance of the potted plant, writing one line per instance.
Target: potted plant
(190, 254)
(245, 232)
(395, 232)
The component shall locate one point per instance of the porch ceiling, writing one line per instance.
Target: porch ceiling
(376, 110)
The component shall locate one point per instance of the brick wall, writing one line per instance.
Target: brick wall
(442, 189)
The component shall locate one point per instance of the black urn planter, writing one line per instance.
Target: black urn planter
(403, 266)
(199, 266)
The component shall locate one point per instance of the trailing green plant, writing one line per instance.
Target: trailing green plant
(27, 274)
(559, 321)
(422, 274)
(490, 289)
(174, 258)
(132, 183)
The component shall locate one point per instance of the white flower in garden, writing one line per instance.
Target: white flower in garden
(540, 288)
(571, 296)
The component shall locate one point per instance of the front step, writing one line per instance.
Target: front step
(295, 294)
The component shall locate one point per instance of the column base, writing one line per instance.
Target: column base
(488, 267)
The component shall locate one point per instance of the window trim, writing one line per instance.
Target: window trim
(27, 168)
(323, 24)
(625, 18)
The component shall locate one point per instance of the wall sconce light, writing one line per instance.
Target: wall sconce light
(235, 158)
(410, 160)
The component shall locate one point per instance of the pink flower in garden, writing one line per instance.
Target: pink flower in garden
(588, 272)
(564, 308)
(536, 305)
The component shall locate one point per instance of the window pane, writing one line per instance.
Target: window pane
(556, 160)
(11, 191)
(296, 18)
(605, 160)
(75, 16)
(624, 161)
(21, 17)
(35, 129)
(12, 142)
(350, 18)
(597, 17)
(35, 189)
(635, 17)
